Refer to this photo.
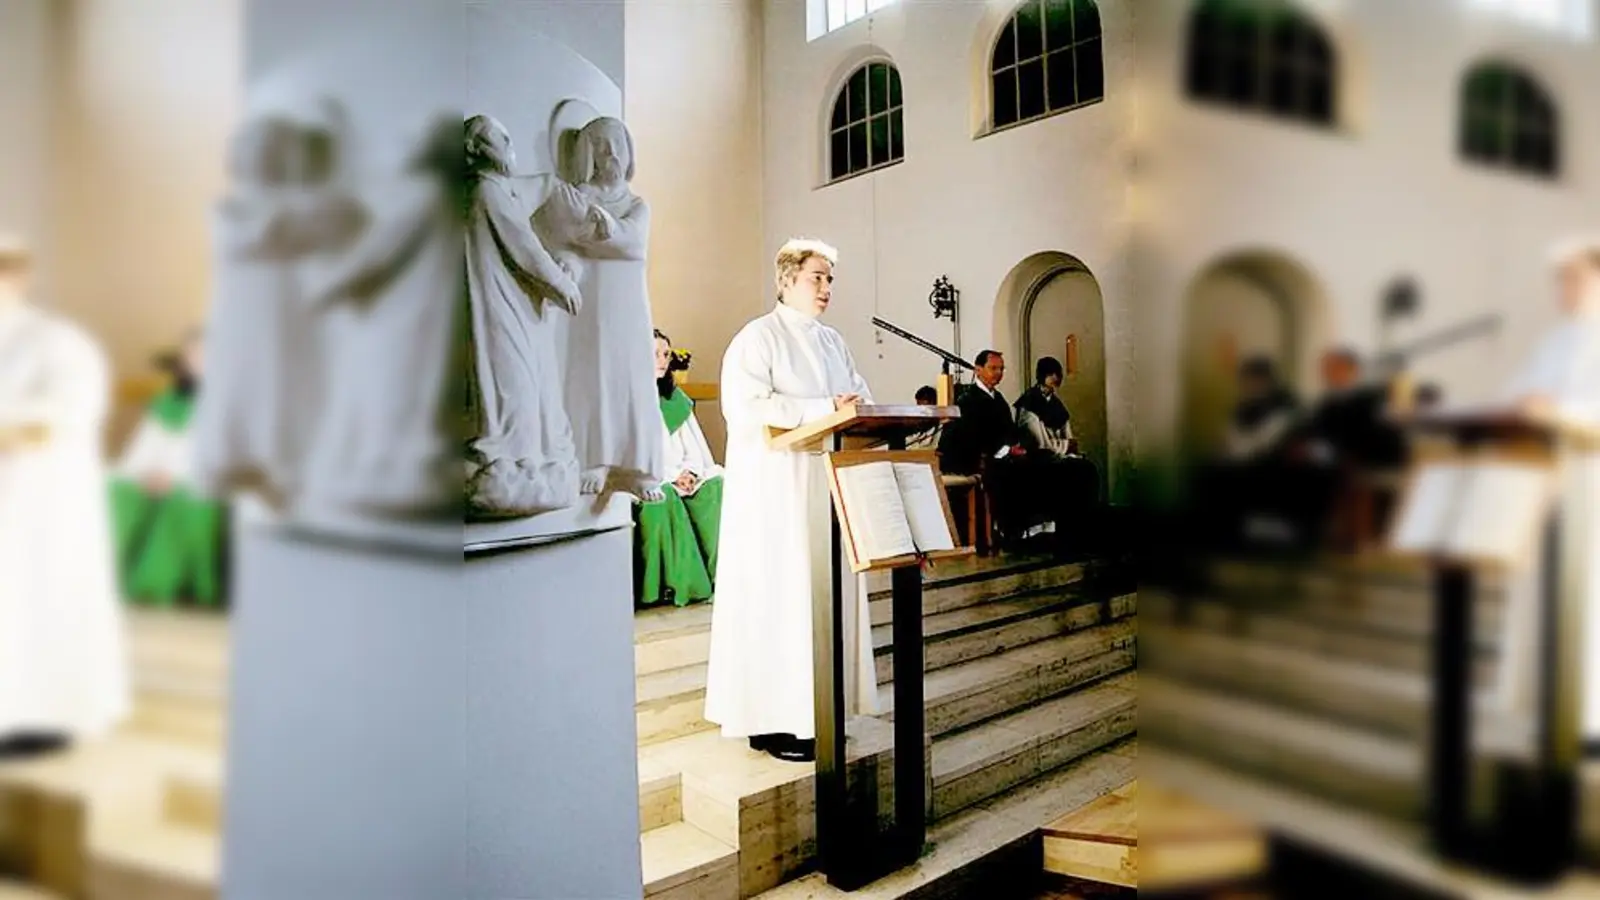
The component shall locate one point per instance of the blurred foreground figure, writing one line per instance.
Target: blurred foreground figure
(170, 540)
(62, 673)
(1561, 383)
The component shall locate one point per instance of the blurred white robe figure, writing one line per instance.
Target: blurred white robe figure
(1564, 370)
(62, 661)
(383, 446)
(784, 369)
(255, 416)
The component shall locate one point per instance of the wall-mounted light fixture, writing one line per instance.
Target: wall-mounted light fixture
(944, 298)
(1071, 361)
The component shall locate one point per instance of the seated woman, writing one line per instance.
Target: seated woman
(1069, 484)
(677, 535)
(169, 540)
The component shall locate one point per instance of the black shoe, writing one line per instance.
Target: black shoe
(23, 745)
(793, 749)
(760, 742)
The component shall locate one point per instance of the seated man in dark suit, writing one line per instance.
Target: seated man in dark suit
(1347, 428)
(1026, 492)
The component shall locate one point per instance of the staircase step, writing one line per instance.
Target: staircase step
(681, 862)
(983, 851)
(151, 861)
(967, 634)
(972, 584)
(1369, 648)
(762, 806)
(1375, 699)
(668, 638)
(671, 703)
(202, 724)
(1370, 771)
(974, 765)
(971, 692)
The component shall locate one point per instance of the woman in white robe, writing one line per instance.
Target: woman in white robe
(1561, 383)
(62, 666)
(783, 370)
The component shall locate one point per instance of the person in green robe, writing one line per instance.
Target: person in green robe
(169, 539)
(677, 535)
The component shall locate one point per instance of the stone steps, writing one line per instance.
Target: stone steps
(1322, 637)
(1365, 770)
(979, 763)
(974, 691)
(681, 862)
(962, 635)
(964, 583)
(987, 849)
(1028, 680)
(1017, 687)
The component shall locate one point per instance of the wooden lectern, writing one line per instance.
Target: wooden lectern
(1496, 523)
(849, 852)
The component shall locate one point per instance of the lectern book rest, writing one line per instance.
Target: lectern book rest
(892, 507)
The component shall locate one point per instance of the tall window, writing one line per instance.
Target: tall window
(1262, 55)
(1509, 120)
(1048, 59)
(842, 12)
(867, 130)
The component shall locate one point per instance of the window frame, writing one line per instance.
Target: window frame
(1264, 62)
(889, 113)
(990, 70)
(1512, 121)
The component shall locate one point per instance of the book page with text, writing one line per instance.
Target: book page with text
(1425, 517)
(877, 516)
(921, 494)
(1502, 513)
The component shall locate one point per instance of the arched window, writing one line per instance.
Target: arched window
(1047, 60)
(1509, 120)
(867, 130)
(1262, 55)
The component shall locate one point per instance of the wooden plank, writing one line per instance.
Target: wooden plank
(1112, 819)
(862, 426)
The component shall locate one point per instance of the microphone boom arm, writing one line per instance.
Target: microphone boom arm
(950, 359)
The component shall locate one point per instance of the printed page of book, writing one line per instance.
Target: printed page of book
(922, 496)
(877, 515)
(1502, 514)
(1425, 518)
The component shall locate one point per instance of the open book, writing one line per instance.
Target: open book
(1489, 511)
(892, 510)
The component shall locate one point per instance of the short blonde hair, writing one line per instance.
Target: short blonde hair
(1583, 251)
(792, 257)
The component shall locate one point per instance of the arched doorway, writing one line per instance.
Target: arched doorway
(1257, 303)
(1052, 306)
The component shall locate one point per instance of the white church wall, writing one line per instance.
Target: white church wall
(26, 38)
(1382, 195)
(695, 114)
(970, 208)
(144, 97)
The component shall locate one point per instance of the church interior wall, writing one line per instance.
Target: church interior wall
(695, 115)
(25, 71)
(969, 208)
(1381, 196)
(145, 96)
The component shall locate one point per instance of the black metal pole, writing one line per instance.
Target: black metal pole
(1452, 724)
(910, 713)
(843, 857)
